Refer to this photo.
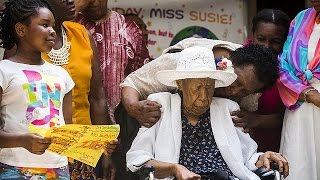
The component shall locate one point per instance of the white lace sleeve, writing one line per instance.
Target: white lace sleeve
(250, 102)
(144, 80)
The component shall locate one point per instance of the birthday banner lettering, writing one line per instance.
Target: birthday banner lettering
(170, 21)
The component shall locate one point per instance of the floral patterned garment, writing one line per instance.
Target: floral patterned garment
(199, 152)
(117, 45)
(25, 173)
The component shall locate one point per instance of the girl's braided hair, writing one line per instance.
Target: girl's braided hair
(17, 11)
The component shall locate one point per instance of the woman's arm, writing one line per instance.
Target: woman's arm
(310, 96)
(268, 121)
(141, 83)
(248, 120)
(31, 142)
(162, 169)
(67, 107)
(97, 99)
(146, 112)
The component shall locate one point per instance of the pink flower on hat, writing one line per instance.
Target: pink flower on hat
(222, 65)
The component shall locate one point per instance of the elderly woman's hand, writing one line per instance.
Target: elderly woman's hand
(268, 157)
(146, 112)
(244, 119)
(182, 173)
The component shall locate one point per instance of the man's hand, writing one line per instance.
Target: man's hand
(244, 119)
(268, 157)
(182, 173)
(146, 112)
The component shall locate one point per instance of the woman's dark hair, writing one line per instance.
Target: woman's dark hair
(274, 16)
(17, 11)
(263, 60)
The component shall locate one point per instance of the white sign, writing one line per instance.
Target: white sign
(169, 21)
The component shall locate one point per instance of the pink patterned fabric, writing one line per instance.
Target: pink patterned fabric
(116, 43)
(139, 42)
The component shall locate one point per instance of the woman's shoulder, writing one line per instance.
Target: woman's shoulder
(4, 62)
(71, 26)
(75, 29)
(5, 65)
(303, 12)
(116, 15)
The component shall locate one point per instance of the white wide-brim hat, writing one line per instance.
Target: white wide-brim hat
(197, 62)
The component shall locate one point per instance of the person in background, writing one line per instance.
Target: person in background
(270, 28)
(299, 87)
(32, 93)
(142, 52)
(116, 46)
(89, 104)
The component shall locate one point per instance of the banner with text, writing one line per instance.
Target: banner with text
(169, 21)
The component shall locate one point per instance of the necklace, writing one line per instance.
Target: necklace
(61, 56)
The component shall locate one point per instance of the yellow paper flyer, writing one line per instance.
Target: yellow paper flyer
(84, 143)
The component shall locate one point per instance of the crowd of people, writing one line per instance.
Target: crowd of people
(203, 106)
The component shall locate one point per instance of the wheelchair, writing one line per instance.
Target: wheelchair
(129, 129)
(146, 172)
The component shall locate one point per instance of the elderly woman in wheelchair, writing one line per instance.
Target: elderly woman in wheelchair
(195, 134)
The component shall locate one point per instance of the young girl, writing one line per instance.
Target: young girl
(32, 93)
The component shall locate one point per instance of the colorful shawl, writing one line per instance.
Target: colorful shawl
(295, 72)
